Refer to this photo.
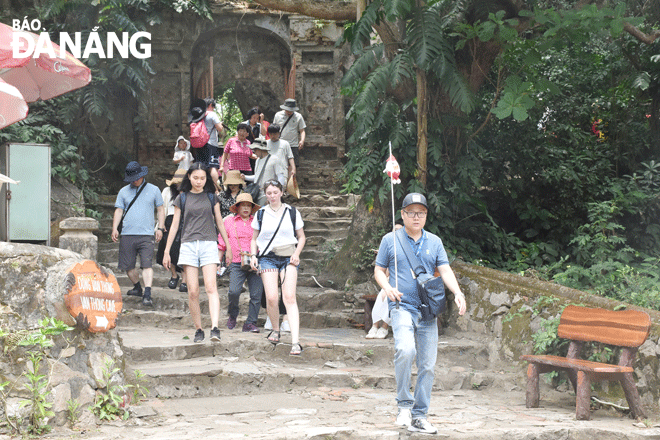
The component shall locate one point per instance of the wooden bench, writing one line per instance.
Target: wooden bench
(627, 329)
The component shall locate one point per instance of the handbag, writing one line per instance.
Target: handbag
(284, 251)
(120, 226)
(431, 289)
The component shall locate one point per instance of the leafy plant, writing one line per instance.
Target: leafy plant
(140, 391)
(37, 386)
(73, 411)
(109, 403)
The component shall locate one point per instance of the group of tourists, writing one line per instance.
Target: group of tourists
(207, 217)
(261, 238)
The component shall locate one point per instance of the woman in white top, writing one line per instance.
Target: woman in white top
(182, 155)
(169, 194)
(279, 237)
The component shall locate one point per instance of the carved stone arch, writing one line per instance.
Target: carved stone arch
(254, 53)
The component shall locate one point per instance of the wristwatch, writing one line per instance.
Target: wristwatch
(161, 229)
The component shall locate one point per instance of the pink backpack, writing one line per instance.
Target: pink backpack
(199, 135)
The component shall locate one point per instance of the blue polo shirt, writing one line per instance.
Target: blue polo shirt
(140, 218)
(429, 250)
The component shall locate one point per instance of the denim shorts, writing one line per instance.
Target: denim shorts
(272, 263)
(198, 253)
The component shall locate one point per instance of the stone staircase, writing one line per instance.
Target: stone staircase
(157, 340)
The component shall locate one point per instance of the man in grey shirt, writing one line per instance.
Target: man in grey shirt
(293, 127)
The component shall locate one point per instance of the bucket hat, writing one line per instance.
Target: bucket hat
(244, 197)
(292, 187)
(134, 171)
(259, 143)
(233, 177)
(197, 110)
(290, 105)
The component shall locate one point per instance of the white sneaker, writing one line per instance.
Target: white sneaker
(423, 426)
(268, 325)
(284, 327)
(372, 333)
(404, 418)
(381, 333)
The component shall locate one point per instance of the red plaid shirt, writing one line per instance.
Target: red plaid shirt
(239, 154)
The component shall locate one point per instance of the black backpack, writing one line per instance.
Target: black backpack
(292, 213)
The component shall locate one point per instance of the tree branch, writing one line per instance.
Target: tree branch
(337, 10)
(641, 36)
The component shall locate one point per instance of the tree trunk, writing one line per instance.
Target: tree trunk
(322, 9)
(422, 126)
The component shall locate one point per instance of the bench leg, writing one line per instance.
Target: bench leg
(532, 396)
(632, 396)
(583, 396)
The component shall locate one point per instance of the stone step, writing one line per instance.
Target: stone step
(325, 212)
(243, 363)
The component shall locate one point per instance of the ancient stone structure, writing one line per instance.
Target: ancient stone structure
(78, 237)
(261, 53)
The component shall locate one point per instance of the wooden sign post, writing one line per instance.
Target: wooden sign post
(93, 296)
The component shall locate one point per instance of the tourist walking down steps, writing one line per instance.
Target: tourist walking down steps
(133, 226)
(414, 338)
(198, 210)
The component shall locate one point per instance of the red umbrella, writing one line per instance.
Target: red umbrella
(13, 107)
(43, 77)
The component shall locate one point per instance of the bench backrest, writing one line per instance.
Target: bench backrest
(624, 328)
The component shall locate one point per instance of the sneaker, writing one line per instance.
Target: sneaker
(199, 335)
(268, 325)
(215, 334)
(231, 322)
(183, 287)
(372, 333)
(423, 426)
(404, 418)
(221, 271)
(146, 300)
(173, 283)
(248, 327)
(381, 333)
(135, 291)
(284, 327)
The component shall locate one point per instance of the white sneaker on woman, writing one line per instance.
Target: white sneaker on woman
(268, 325)
(381, 333)
(372, 333)
(284, 327)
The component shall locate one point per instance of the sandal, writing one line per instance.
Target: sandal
(173, 283)
(296, 349)
(274, 337)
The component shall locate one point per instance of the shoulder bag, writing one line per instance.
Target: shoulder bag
(253, 188)
(431, 289)
(121, 222)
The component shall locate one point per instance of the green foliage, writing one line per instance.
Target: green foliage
(109, 403)
(73, 412)
(37, 385)
(139, 390)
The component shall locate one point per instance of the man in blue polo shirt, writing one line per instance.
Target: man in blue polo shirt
(137, 234)
(414, 337)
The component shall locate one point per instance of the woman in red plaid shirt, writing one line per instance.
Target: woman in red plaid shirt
(238, 152)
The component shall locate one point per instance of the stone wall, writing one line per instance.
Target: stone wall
(509, 309)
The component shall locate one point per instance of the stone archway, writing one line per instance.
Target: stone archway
(255, 59)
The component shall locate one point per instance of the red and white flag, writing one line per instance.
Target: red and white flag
(392, 169)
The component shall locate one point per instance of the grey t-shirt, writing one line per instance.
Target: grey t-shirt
(198, 220)
(210, 120)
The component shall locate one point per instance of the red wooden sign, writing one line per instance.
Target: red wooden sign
(93, 296)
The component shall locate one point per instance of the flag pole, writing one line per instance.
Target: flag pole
(396, 271)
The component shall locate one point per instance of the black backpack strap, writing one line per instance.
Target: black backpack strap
(292, 212)
(410, 255)
(260, 217)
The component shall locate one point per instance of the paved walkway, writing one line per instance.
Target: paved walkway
(324, 413)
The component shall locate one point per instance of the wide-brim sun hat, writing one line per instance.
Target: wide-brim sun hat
(244, 197)
(292, 187)
(290, 105)
(134, 171)
(197, 110)
(233, 177)
(177, 178)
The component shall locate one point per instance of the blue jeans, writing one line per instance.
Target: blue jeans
(237, 277)
(414, 338)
